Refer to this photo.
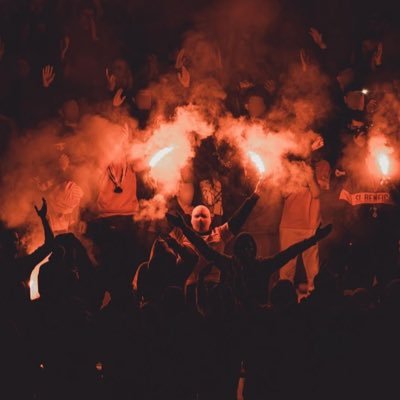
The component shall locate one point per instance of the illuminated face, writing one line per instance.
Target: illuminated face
(201, 219)
(256, 107)
(360, 140)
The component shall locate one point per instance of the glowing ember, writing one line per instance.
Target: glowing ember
(160, 155)
(384, 163)
(258, 162)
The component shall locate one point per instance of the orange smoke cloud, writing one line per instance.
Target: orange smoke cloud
(258, 147)
(171, 147)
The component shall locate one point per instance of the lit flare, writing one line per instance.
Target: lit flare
(257, 160)
(383, 161)
(160, 155)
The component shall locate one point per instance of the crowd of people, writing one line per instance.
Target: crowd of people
(237, 284)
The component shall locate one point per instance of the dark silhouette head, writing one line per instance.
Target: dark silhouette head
(245, 247)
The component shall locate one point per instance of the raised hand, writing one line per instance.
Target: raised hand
(180, 59)
(2, 48)
(65, 46)
(317, 143)
(118, 98)
(323, 231)
(184, 77)
(63, 162)
(377, 57)
(42, 213)
(270, 86)
(246, 84)
(317, 37)
(111, 80)
(48, 75)
(304, 59)
(93, 29)
(125, 131)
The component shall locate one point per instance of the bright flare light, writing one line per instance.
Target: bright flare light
(384, 163)
(258, 162)
(160, 155)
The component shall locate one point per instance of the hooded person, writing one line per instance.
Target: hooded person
(169, 264)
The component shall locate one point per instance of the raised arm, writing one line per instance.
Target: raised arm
(26, 264)
(280, 259)
(186, 254)
(237, 220)
(201, 246)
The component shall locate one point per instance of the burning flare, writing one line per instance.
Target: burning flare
(383, 161)
(160, 155)
(258, 162)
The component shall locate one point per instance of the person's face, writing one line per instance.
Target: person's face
(360, 140)
(346, 76)
(201, 219)
(121, 70)
(71, 111)
(248, 251)
(256, 107)
(143, 100)
(355, 100)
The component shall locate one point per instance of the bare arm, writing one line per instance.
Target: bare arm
(237, 220)
(201, 246)
(280, 259)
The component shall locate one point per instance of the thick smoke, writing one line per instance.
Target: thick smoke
(230, 41)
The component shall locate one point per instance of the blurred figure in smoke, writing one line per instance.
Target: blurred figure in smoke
(369, 219)
(63, 195)
(301, 216)
(137, 101)
(69, 117)
(84, 59)
(257, 103)
(113, 229)
(119, 76)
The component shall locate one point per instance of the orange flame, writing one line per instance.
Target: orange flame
(380, 160)
(383, 161)
(257, 160)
